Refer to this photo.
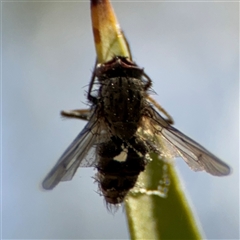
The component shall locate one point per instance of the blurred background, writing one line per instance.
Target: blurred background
(191, 52)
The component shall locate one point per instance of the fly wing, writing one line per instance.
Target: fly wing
(74, 156)
(197, 157)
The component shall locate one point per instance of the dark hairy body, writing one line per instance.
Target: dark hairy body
(122, 96)
(121, 102)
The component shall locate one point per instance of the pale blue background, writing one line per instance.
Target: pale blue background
(191, 52)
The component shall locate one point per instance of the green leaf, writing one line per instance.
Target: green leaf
(164, 214)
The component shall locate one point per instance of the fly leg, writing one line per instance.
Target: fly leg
(148, 83)
(89, 96)
(83, 114)
(159, 107)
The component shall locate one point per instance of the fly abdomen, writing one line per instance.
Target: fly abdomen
(115, 188)
(118, 173)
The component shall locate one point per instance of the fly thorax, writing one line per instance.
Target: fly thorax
(122, 101)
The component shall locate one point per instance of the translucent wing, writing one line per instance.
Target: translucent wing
(197, 157)
(74, 156)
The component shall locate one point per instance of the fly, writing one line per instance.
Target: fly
(124, 125)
